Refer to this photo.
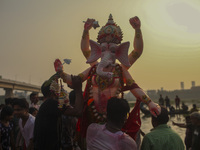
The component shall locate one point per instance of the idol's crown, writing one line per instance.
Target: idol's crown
(110, 33)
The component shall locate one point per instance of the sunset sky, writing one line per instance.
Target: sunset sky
(33, 33)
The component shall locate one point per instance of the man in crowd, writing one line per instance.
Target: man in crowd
(109, 135)
(162, 136)
(195, 119)
(167, 102)
(177, 102)
(47, 131)
(34, 100)
(189, 131)
(26, 121)
(161, 100)
(68, 135)
(194, 108)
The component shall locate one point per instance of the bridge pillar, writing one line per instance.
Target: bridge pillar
(8, 93)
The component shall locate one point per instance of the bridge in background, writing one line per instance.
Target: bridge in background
(10, 85)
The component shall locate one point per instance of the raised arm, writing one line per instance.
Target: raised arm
(78, 108)
(67, 78)
(140, 94)
(138, 41)
(85, 45)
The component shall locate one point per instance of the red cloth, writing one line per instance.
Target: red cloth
(78, 125)
(24, 148)
(133, 123)
(83, 121)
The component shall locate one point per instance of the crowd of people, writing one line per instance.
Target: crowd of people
(192, 127)
(25, 126)
(31, 126)
(166, 102)
(178, 107)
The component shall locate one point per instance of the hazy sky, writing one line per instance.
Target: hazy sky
(33, 33)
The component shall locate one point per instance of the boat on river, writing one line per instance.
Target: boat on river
(144, 109)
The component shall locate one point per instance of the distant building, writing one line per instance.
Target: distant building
(182, 85)
(185, 94)
(193, 83)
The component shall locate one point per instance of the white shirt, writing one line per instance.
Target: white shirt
(99, 138)
(27, 130)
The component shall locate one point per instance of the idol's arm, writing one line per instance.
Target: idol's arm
(140, 94)
(84, 74)
(67, 78)
(138, 47)
(134, 88)
(85, 45)
(138, 41)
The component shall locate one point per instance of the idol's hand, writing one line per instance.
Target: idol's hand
(154, 108)
(88, 24)
(135, 22)
(58, 65)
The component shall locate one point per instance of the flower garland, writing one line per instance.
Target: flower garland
(92, 113)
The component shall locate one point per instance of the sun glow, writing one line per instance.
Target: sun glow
(35, 33)
(177, 19)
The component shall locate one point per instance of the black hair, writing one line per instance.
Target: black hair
(72, 97)
(163, 117)
(194, 105)
(45, 89)
(195, 115)
(2, 105)
(6, 111)
(117, 109)
(8, 101)
(32, 110)
(33, 94)
(21, 102)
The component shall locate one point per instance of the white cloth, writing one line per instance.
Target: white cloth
(99, 138)
(27, 130)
